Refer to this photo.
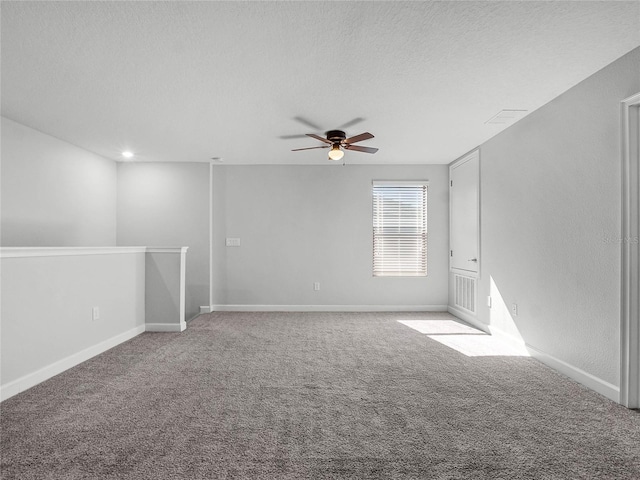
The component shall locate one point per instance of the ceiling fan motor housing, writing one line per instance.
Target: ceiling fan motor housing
(336, 136)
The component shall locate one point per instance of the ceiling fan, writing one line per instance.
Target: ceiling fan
(337, 140)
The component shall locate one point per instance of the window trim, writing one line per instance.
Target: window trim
(400, 183)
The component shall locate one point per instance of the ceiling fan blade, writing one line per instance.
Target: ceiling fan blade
(359, 138)
(318, 137)
(309, 148)
(351, 123)
(306, 122)
(358, 148)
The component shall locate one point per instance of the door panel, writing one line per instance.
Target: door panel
(464, 210)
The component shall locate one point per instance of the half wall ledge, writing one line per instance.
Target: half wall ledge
(63, 305)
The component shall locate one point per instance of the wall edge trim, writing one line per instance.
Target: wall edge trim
(167, 249)
(470, 319)
(585, 378)
(327, 308)
(20, 252)
(34, 378)
(166, 327)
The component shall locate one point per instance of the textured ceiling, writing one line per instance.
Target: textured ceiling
(187, 81)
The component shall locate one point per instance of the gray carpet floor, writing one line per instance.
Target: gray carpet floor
(312, 396)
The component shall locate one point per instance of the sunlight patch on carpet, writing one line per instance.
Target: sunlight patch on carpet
(440, 327)
(465, 339)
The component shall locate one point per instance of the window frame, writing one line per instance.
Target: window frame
(422, 272)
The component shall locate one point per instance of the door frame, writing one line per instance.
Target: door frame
(464, 159)
(630, 246)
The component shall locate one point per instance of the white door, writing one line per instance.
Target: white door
(464, 214)
(630, 318)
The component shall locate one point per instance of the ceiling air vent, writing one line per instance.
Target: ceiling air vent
(506, 116)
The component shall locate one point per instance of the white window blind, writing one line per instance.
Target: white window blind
(399, 229)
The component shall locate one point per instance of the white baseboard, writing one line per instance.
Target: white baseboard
(205, 309)
(507, 337)
(588, 380)
(328, 308)
(466, 317)
(166, 327)
(32, 379)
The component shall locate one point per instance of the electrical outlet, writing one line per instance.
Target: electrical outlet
(232, 242)
(95, 313)
(316, 286)
(514, 309)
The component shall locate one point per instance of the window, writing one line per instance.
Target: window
(399, 229)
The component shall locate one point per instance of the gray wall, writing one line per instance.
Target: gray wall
(54, 193)
(167, 204)
(551, 220)
(304, 224)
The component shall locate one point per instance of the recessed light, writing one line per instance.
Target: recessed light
(127, 154)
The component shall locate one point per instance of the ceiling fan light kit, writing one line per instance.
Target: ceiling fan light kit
(338, 140)
(335, 153)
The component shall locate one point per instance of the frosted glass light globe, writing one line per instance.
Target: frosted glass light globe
(335, 153)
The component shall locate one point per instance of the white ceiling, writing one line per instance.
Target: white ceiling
(187, 81)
